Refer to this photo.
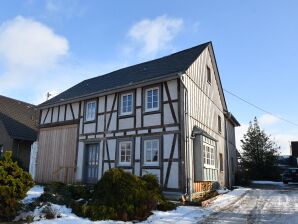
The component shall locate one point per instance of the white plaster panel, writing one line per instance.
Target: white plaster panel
(175, 128)
(101, 104)
(68, 113)
(43, 114)
(55, 114)
(119, 134)
(145, 131)
(82, 137)
(131, 132)
(168, 118)
(172, 85)
(156, 130)
(137, 169)
(99, 136)
(173, 178)
(75, 108)
(155, 172)
(112, 148)
(80, 158)
(126, 123)
(138, 118)
(167, 146)
(48, 118)
(110, 100)
(100, 123)
(61, 114)
(89, 128)
(81, 126)
(113, 122)
(139, 97)
(137, 147)
(152, 119)
(82, 108)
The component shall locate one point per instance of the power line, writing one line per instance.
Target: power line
(260, 108)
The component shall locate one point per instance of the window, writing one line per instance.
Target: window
(220, 162)
(125, 153)
(209, 152)
(151, 152)
(126, 103)
(90, 111)
(208, 75)
(152, 99)
(219, 124)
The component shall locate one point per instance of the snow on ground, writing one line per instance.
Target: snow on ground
(183, 214)
(267, 182)
(33, 193)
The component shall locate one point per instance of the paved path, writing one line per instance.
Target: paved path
(262, 204)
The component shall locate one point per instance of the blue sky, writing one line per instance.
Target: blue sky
(47, 46)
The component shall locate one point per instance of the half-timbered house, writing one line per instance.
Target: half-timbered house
(167, 117)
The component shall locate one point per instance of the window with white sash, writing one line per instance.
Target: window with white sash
(126, 104)
(151, 152)
(152, 99)
(125, 153)
(90, 111)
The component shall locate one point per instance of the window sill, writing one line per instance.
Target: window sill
(88, 122)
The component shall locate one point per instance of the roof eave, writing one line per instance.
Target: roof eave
(112, 90)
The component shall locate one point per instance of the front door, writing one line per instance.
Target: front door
(92, 163)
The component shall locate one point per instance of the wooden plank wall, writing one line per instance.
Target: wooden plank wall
(56, 154)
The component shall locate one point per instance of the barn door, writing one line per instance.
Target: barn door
(92, 163)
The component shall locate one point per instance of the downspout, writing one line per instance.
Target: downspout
(227, 154)
(187, 139)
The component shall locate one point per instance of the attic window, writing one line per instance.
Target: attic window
(208, 75)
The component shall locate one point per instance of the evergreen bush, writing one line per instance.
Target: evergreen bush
(14, 184)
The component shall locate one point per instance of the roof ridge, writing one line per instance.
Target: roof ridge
(156, 59)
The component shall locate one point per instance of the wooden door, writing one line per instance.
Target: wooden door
(91, 163)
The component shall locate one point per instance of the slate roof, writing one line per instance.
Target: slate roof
(19, 118)
(155, 69)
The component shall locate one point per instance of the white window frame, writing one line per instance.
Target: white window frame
(209, 149)
(90, 115)
(121, 103)
(125, 163)
(151, 163)
(146, 99)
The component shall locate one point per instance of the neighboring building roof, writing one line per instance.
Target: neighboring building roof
(144, 72)
(19, 118)
(232, 119)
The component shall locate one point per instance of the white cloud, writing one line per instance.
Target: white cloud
(268, 119)
(30, 55)
(149, 36)
(25, 43)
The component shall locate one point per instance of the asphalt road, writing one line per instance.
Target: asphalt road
(263, 204)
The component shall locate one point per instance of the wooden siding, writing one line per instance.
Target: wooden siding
(204, 105)
(57, 154)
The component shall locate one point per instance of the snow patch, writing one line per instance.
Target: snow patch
(267, 182)
(33, 194)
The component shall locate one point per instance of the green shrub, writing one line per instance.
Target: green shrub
(14, 184)
(129, 196)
